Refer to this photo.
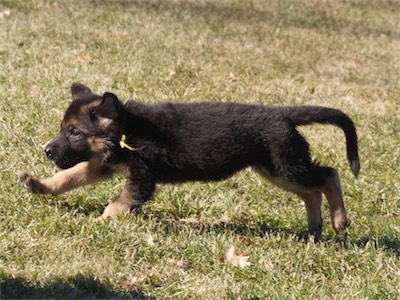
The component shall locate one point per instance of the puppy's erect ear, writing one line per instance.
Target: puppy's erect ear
(109, 107)
(79, 90)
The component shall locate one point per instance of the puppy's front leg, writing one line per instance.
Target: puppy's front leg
(81, 174)
(122, 204)
(134, 194)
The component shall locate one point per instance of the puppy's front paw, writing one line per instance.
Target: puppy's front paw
(99, 220)
(30, 184)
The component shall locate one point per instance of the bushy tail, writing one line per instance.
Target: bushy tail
(303, 115)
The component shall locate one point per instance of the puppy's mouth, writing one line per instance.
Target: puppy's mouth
(66, 162)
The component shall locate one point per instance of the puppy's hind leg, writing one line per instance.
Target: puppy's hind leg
(332, 189)
(313, 201)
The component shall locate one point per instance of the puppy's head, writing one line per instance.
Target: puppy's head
(89, 130)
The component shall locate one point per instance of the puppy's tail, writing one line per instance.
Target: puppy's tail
(304, 115)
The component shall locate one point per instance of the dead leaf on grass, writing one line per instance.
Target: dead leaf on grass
(190, 221)
(232, 77)
(171, 74)
(266, 264)
(84, 58)
(123, 34)
(132, 281)
(5, 13)
(231, 257)
(180, 264)
(150, 240)
(82, 47)
(311, 89)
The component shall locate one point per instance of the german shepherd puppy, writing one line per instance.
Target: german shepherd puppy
(169, 143)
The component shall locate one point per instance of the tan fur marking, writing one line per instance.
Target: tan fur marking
(70, 122)
(101, 122)
(280, 183)
(123, 204)
(104, 122)
(96, 144)
(313, 201)
(91, 105)
(333, 193)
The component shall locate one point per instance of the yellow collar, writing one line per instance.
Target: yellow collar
(123, 144)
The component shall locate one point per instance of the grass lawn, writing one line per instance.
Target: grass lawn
(342, 54)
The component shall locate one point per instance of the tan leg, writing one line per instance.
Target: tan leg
(123, 204)
(313, 201)
(81, 174)
(333, 192)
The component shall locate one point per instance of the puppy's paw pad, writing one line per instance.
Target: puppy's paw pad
(26, 180)
(30, 183)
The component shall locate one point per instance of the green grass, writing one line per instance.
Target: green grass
(341, 54)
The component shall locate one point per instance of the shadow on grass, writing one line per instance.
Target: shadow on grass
(241, 227)
(78, 287)
(387, 243)
(251, 228)
(274, 227)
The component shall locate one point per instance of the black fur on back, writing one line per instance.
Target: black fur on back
(211, 141)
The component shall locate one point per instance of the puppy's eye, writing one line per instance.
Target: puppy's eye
(74, 131)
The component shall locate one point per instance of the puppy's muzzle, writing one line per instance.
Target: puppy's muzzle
(49, 151)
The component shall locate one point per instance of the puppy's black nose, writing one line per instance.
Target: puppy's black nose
(49, 151)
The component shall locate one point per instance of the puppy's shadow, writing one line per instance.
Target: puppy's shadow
(257, 229)
(245, 227)
(272, 227)
(389, 244)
